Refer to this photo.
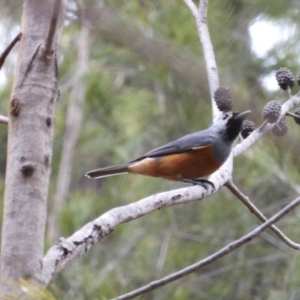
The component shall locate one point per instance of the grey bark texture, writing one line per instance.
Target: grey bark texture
(29, 153)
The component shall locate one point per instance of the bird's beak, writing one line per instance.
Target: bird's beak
(241, 116)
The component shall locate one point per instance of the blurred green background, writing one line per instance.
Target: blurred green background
(132, 77)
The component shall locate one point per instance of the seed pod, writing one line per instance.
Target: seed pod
(272, 111)
(247, 127)
(223, 99)
(281, 128)
(285, 78)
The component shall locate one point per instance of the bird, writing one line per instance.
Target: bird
(189, 158)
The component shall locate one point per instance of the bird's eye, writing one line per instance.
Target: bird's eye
(225, 116)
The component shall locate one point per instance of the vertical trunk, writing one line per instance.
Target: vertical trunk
(30, 134)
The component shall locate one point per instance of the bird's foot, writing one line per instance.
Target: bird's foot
(202, 182)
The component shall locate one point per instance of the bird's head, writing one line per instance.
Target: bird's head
(230, 124)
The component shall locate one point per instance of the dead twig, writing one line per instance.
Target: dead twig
(8, 49)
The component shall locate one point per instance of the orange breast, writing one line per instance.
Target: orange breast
(193, 164)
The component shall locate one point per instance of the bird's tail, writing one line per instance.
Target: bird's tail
(109, 171)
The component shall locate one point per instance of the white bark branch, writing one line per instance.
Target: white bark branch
(67, 250)
(209, 55)
(142, 207)
(202, 263)
(208, 51)
(3, 120)
(193, 8)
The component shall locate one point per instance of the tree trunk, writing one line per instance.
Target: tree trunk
(30, 135)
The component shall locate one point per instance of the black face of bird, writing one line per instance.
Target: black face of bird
(234, 123)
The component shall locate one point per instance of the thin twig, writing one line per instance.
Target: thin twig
(208, 51)
(209, 55)
(52, 28)
(192, 7)
(292, 115)
(245, 200)
(222, 252)
(8, 49)
(289, 91)
(3, 120)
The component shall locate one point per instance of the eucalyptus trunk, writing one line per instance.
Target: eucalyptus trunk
(30, 136)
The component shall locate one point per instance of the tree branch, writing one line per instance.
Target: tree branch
(209, 55)
(8, 49)
(202, 263)
(3, 120)
(208, 51)
(245, 200)
(52, 28)
(67, 250)
(192, 7)
(29, 152)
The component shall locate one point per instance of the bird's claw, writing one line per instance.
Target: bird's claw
(202, 182)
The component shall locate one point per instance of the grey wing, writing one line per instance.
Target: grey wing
(186, 143)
